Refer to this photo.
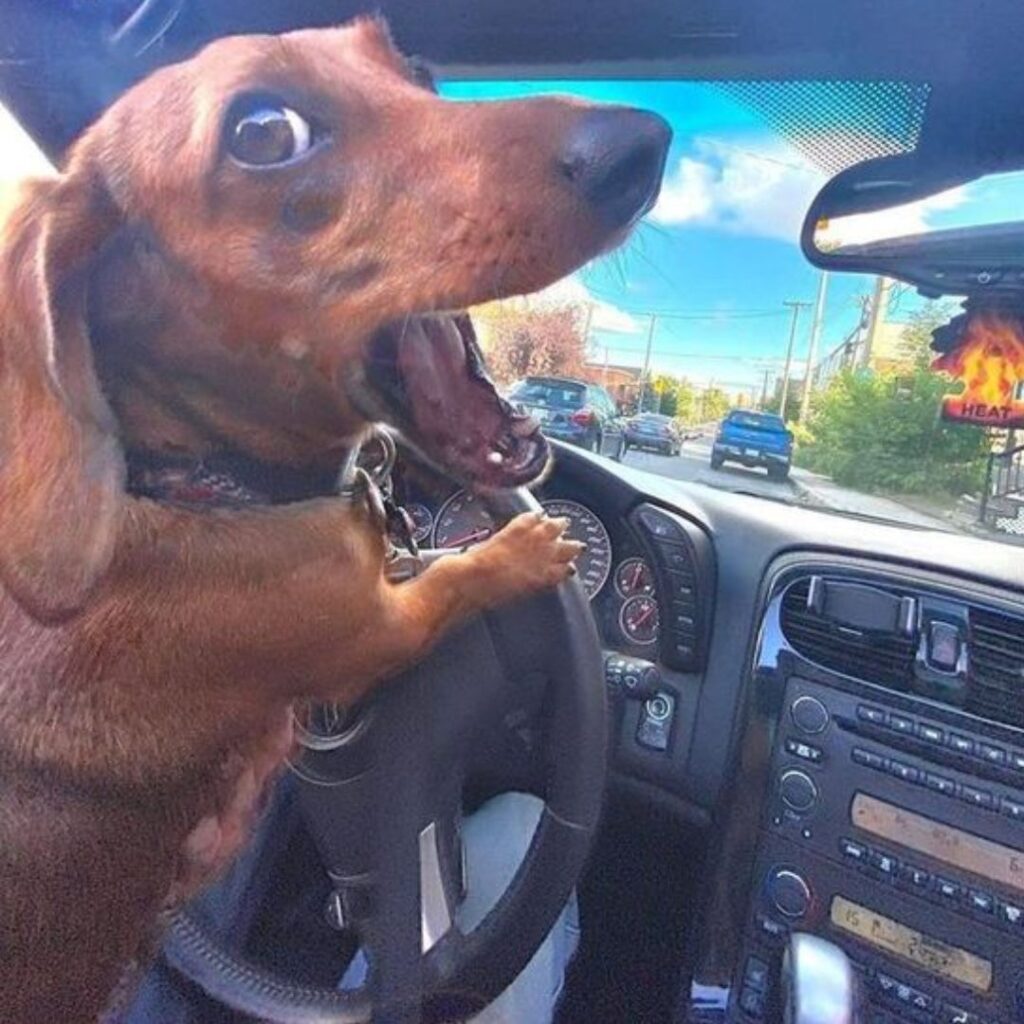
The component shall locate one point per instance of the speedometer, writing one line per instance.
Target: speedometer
(595, 563)
(463, 520)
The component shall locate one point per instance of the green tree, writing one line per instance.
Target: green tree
(883, 432)
(916, 339)
(687, 406)
(666, 389)
(714, 403)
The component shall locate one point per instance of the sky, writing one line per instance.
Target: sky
(718, 255)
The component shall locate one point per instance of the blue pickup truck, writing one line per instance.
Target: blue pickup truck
(754, 439)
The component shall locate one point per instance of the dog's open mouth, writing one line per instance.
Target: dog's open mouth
(427, 378)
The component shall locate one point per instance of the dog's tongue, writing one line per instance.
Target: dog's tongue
(452, 401)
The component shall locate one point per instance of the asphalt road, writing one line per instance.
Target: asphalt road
(694, 463)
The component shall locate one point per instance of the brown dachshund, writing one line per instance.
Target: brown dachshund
(242, 256)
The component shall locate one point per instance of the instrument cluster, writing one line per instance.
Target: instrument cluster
(622, 591)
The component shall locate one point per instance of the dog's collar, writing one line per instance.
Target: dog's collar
(223, 480)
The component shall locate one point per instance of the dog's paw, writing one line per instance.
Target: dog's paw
(530, 554)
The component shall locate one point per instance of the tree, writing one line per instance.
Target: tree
(665, 388)
(686, 402)
(883, 432)
(916, 339)
(714, 404)
(527, 342)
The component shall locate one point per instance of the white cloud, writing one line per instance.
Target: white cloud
(764, 188)
(761, 191)
(572, 290)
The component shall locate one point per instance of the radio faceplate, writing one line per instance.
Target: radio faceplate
(895, 829)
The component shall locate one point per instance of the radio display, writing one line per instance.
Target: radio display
(972, 853)
(921, 950)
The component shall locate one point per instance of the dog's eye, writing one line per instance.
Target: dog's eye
(268, 134)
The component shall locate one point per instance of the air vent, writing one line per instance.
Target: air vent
(996, 682)
(879, 657)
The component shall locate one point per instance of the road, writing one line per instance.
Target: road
(694, 463)
(803, 487)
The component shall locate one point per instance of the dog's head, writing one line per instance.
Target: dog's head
(321, 200)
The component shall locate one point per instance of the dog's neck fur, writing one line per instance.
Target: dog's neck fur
(189, 373)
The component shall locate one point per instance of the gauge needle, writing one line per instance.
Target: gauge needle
(637, 572)
(643, 616)
(482, 534)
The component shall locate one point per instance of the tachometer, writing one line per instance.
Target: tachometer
(638, 619)
(462, 521)
(634, 576)
(422, 520)
(595, 564)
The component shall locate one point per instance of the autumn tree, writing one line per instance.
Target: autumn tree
(537, 342)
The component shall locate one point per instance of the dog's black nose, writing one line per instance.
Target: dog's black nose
(615, 159)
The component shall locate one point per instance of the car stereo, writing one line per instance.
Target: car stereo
(894, 828)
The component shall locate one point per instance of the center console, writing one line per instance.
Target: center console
(889, 809)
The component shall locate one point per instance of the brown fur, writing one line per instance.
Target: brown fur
(149, 654)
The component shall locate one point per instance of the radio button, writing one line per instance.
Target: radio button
(868, 758)
(883, 863)
(948, 889)
(852, 851)
(876, 716)
(961, 744)
(805, 751)
(797, 790)
(809, 715)
(906, 772)
(940, 784)
(901, 724)
(917, 877)
(771, 929)
(1017, 760)
(951, 1014)
(994, 755)
(931, 733)
(977, 797)
(789, 893)
(982, 902)
(1011, 914)
(1012, 809)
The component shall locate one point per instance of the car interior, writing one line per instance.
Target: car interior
(781, 749)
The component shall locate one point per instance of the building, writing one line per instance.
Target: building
(621, 382)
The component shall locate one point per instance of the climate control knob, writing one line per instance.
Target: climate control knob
(788, 893)
(797, 790)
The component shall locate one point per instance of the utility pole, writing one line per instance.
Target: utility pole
(812, 348)
(796, 307)
(879, 307)
(764, 390)
(647, 362)
(587, 320)
(604, 372)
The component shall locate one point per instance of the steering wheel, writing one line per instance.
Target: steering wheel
(383, 804)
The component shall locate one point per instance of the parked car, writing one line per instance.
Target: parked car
(572, 410)
(754, 439)
(654, 431)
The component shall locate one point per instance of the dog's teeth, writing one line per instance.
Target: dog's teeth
(495, 457)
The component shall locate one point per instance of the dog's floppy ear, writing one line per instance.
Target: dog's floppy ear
(61, 467)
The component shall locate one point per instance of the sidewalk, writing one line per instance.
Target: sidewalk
(820, 490)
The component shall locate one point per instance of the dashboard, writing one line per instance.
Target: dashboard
(839, 704)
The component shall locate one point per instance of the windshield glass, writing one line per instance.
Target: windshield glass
(711, 306)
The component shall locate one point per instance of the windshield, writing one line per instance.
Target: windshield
(711, 315)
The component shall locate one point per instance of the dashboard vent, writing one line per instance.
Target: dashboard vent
(878, 657)
(995, 686)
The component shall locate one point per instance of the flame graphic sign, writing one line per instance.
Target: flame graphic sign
(990, 362)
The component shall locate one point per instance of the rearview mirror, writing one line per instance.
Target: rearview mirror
(953, 232)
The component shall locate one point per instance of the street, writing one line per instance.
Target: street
(803, 487)
(694, 464)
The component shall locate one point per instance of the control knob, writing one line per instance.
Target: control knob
(788, 893)
(797, 790)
